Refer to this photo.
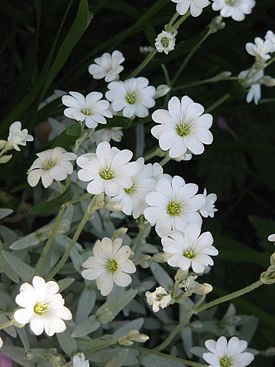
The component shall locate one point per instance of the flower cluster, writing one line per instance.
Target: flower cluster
(253, 78)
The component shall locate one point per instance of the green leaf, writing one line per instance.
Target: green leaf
(86, 327)
(8, 270)
(23, 270)
(67, 343)
(65, 283)
(161, 276)
(156, 359)
(30, 240)
(85, 304)
(5, 212)
(17, 355)
(118, 359)
(51, 205)
(74, 130)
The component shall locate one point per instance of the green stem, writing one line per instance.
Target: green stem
(142, 234)
(7, 324)
(144, 63)
(49, 242)
(188, 57)
(172, 20)
(181, 20)
(201, 82)
(174, 332)
(228, 297)
(152, 154)
(96, 203)
(165, 160)
(219, 102)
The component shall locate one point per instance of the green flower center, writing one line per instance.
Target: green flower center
(40, 308)
(131, 98)
(106, 174)
(182, 129)
(230, 2)
(48, 164)
(225, 361)
(86, 111)
(165, 42)
(173, 208)
(160, 296)
(130, 190)
(189, 254)
(111, 266)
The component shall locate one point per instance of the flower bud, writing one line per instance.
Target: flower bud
(161, 257)
(216, 24)
(104, 315)
(119, 232)
(2, 144)
(162, 90)
(5, 158)
(268, 81)
(268, 277)
(272, 259)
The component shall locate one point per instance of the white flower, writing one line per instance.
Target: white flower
(192, 286)
(108, 170)
(90, 109)
(109, 264)
(183, 127)
(52, 164)
(195, 6)
(260, 49)
(1, 342)
(270, 36)
(162, 90)
(271, 237)
(113, 133)
(107, 66)
(165, 42)
(208, 209)
(133, 97)
(132, 199)
(80, 361)
(227, 354)
(173, 205)
(190, 249)
(252, 79)
(17, 136)
(42, 307)
(158, 299)
(236, 9)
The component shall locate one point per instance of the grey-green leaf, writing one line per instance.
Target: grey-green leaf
(86, 327)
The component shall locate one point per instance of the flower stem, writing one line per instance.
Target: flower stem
(144, 63)
(228, 297)
(188, 57)
(165, 160)
(7, 324)
(219, 102)
(96, 203)
(144, 230)
(180, 21)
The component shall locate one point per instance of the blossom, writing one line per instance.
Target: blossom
(80, 361)
(132, 199)
(190, 249)
(270, 36)
(236, 9)
(173, 205)
(133, 97)
(158, 299)
(113, 133)
(165, 42)
(109, 264)
(17, 136)
(183, 127)
(42, 307)
(195, 6)
(260, 48)
(90, 109)
(227, 354)
(252, 80)
(271, 237)
(108, 170)
(208, 209)
(52, 164)
(107, 66)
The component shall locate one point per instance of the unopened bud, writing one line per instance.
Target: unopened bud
(216, 24)
(268, 277)
(161, 257)
(162, 90)
(2, 144)
(119, 233)
(268, 81)
(203, 289)
(5, 158)
(104, 315)
(222, 76)
(272, 259)
(113, 206)
(145, 261)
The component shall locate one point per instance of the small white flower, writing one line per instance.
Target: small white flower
(252, 80)
(236, 9)
(107, 66)
(109, 264)
(227, 354)
(162, 90)
(195, 6)
(173, 205)
(158, 299)
(270, 36)
(113, 133)
(183, 127)
(52, 164)
(271, 237)
(132, 199)
(192, 286)
(108, 170)
(260, 48)
(1, 342)
(190, 249)
(165, 42)
(42, 307)
(80, 361)
(90, 109)
(17, 136)
(208, 209)
(133, 97)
